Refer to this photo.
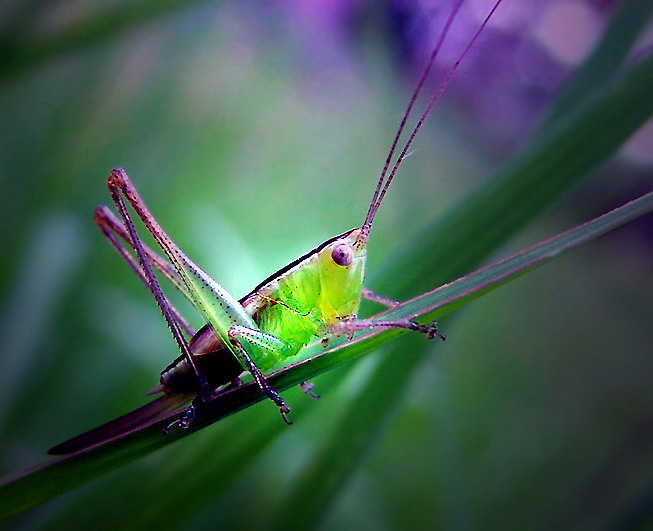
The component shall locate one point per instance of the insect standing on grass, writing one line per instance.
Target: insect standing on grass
(317, 295)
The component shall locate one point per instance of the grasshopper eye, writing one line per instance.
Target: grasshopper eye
(342, 254)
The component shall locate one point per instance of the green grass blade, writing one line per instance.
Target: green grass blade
(218, 459)
(455, 294)
(36, 486)
(320, 481)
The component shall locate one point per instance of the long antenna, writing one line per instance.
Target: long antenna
(382, 187)
(413, 98)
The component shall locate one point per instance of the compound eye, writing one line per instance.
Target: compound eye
(342, 254)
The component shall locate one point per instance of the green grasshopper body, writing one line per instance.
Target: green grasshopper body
(295, 304)
(316, 296)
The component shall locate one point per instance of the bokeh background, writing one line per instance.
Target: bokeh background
(255, 130)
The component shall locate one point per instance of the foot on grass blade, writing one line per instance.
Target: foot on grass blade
(307, 388)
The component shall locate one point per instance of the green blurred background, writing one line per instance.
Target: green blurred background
(254, 131)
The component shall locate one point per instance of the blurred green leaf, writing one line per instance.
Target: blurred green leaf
(533, 180)
(608, 57)
(21, 49)
(319, 482)
(69, 472)
(86, 133)
(554, 162)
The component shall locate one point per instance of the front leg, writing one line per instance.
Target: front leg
(430, 331)
(380, 299)
(349, 326)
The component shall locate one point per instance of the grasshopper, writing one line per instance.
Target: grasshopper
(316, 296)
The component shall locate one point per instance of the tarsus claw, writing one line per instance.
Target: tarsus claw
(307, 388)
(184, 421)
(284, 410)
(431, 331)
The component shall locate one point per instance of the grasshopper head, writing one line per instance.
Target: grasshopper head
(342, 269)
